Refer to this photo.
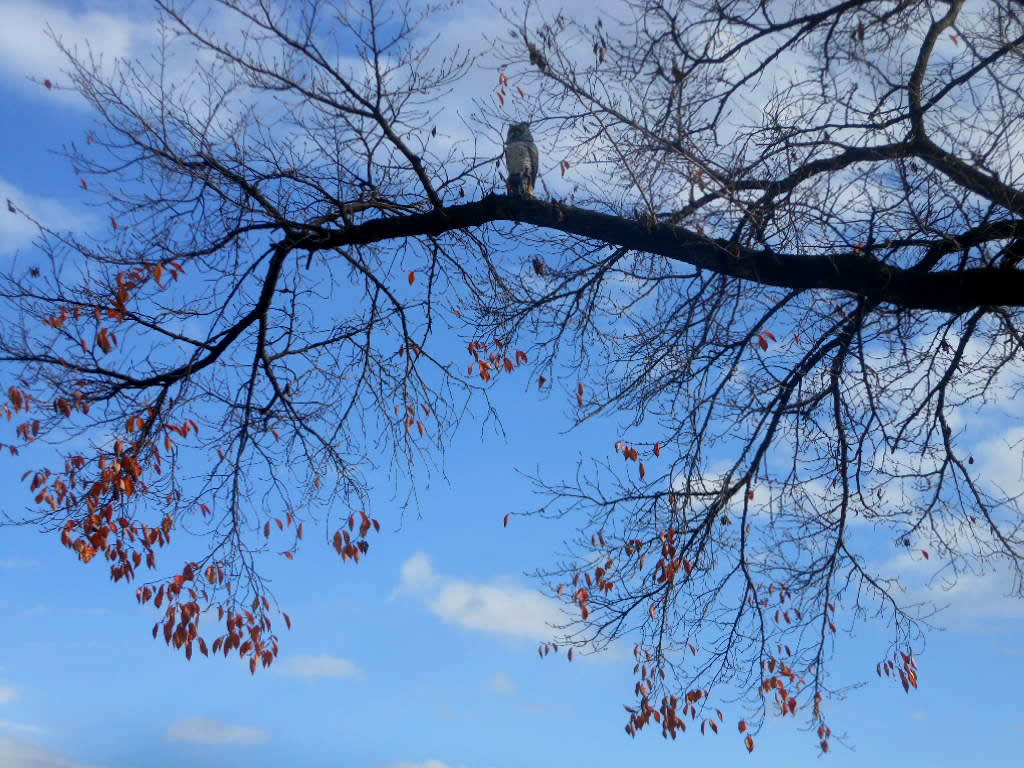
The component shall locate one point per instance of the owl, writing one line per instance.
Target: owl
(521, 159)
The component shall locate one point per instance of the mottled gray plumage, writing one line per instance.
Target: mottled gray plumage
(522, 160)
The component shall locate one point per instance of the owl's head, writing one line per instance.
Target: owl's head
(519, 132)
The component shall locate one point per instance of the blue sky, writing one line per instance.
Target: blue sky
(424, 655)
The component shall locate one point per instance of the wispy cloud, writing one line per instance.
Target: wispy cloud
(999, 460)
(504, 609)
(973, 600)
(26, 51)
(200, 730)
(26, 728)
(17, 562)
(8, 693)
(424, 764)
(418, 575)
(15, 753)
(16, 231)
(980, 597)
(501, 683)
(312, 667)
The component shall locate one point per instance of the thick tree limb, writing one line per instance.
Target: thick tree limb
(951, 291)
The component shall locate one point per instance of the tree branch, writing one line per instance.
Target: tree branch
(951, 291)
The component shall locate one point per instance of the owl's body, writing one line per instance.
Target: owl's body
(522, 160)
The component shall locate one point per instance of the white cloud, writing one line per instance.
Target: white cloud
(311, 667)
(974, 600)
(417, 574)
(977, 597)
(999, 460)
(501, 683)
(8, 693)
(507, 610)
(16, 231)
(499, 608)
(15, 753)
(26, 51)
(424, 764)
(200, 730)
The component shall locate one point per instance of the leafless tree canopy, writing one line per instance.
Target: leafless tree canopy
(786, 236)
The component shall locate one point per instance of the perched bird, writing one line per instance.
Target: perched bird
(539, 266)
(521, 159)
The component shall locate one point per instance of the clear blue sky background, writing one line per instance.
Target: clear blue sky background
(423, 656)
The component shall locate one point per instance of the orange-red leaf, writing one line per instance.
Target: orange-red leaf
(508, 517)
(742, 726)
(749, 741)
(412, 278)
